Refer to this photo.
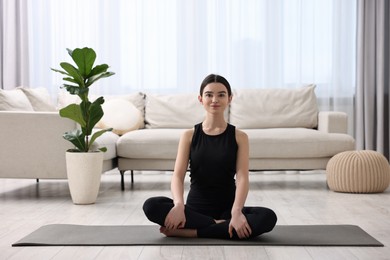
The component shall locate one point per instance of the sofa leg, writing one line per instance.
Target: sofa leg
(122, 179)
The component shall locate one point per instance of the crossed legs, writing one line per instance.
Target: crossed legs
(261, 220)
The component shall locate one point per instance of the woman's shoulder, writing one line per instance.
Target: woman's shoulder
(238, 131)
(241, 135)
(187, 134)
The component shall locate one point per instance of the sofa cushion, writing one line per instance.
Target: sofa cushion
(296, 143)
(14, 100)
(273, 108)
(263, 143)
(121, 115)
(39, 98)
(150, 143)
(173, 111)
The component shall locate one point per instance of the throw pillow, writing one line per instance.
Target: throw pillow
(137, 99)
(274, 108)
(121, 115)
(39, 98)
(14, 100)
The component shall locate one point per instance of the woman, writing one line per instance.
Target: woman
(218, 155)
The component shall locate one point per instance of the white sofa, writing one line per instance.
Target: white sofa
(286, 132)
(31, 143)
(285, 129)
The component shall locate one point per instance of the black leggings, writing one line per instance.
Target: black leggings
(261, 220)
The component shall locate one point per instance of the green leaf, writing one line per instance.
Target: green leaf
(84, 109)
(95, 113)
(95, 78)
(77, 138)
(73, 90)
(73, 112)
(84, 58)
(60, 71)
(98, 69)
(69, 52)
(73, 72)
(96, 135)
(70, 80)
(103, 149)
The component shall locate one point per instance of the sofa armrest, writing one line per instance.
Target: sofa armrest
(32, 145)
(333, 122)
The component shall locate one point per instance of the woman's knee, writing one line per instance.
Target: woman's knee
(156, 207)
(261, 219)
(270, 218)
(267, 215)
(148, 206)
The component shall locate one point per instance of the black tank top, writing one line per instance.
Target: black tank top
(212, 170)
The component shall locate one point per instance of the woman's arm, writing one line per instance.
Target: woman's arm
(238, 221)
(176, 218)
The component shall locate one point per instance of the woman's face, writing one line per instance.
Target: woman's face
(215, 98)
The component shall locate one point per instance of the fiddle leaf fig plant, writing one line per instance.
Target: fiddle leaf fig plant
(87, 114)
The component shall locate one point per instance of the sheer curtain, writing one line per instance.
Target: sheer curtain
(14, 65)
(170, 46)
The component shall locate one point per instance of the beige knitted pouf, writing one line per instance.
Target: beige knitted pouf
(358, 172)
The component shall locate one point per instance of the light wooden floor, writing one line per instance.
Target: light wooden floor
(296, 198)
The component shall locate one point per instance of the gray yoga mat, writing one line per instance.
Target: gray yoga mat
(148, 235)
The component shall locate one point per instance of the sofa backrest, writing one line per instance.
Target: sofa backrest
(173, 111)
(250, 108)
(26, 99)
(274, 108)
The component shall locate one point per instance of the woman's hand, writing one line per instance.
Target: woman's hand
(175, 218)
(240, 225)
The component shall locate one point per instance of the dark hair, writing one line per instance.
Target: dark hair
(214, 78)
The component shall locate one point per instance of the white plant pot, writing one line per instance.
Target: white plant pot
(84, 174)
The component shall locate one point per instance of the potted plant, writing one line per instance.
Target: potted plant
(84, 162)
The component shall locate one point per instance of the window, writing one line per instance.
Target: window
(165, 46)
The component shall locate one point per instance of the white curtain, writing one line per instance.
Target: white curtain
(14, 65)
(169, 46)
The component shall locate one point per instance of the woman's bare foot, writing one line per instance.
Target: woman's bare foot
(181, 232)
(218, 221)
